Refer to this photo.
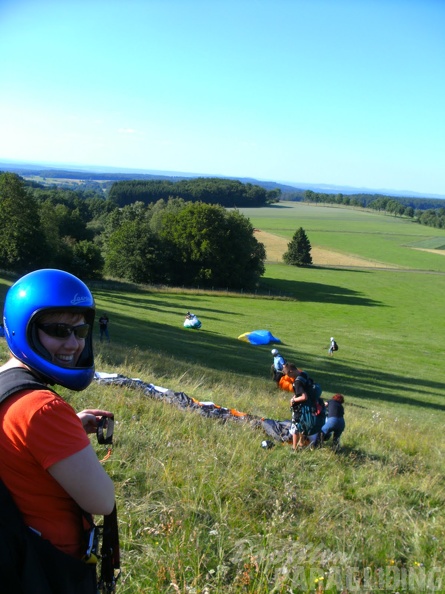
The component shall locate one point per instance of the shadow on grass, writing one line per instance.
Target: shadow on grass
(318, 292)
(355, 455)
(294, 289)
(376, 385)
(230, 355)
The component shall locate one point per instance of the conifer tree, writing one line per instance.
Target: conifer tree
(298, 250)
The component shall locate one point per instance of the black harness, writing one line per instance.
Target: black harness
(18, 378)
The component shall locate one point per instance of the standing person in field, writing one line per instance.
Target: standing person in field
(47, 462)
(307, 412)
(277, 365)
(335, 422)
(103, 327)
(299, 397)
(332, 347)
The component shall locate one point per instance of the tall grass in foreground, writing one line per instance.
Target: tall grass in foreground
(203, 508)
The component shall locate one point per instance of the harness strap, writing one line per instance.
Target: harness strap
(110, 554)
(17, 379)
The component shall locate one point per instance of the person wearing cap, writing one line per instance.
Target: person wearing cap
(277, 365)
(47, 461)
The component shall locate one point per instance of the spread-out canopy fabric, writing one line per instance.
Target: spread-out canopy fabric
(258, 337)
(278, 430)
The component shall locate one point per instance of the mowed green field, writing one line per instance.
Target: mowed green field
(389, 324)
(371, 235)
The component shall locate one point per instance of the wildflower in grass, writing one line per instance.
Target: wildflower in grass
(319, 583)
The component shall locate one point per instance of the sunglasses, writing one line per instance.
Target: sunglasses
(65, 330)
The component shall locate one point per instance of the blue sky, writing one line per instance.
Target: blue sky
(342, 92)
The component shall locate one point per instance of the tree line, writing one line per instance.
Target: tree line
(225, 192)
(423, 210)
(170, 240)
(167, 240)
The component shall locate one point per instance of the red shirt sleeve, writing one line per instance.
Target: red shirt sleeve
(55, 432)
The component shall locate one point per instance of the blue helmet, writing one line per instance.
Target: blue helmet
(42, 292)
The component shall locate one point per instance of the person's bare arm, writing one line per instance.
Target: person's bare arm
(84, 479)
(300, 398)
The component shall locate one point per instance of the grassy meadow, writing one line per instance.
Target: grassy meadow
(203, 509)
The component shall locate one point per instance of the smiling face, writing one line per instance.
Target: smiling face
(64, 352)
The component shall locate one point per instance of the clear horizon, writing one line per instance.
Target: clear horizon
(337, 93)
(296, 184)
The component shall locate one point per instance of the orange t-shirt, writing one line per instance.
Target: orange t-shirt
(38, 429)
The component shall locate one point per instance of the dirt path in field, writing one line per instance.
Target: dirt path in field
(439, 252)
(276, 246)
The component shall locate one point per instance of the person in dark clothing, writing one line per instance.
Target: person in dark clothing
(103, 327)
(309, 409)
(335, 422)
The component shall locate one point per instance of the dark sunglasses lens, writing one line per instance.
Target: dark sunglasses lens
(65, 330)
(81, 331)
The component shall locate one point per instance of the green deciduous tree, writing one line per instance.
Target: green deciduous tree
(134, 253)
(213, 247)
(22, 244)
(298, 250)
(87, 261)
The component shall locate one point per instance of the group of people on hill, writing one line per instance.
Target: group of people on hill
(314, 420)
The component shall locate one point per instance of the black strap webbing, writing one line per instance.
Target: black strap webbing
(16, 379)
(110, 553)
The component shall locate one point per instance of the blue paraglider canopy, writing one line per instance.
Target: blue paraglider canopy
(258, 337)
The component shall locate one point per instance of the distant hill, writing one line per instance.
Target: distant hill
(111, 174)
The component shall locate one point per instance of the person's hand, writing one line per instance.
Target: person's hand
(90, 418)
